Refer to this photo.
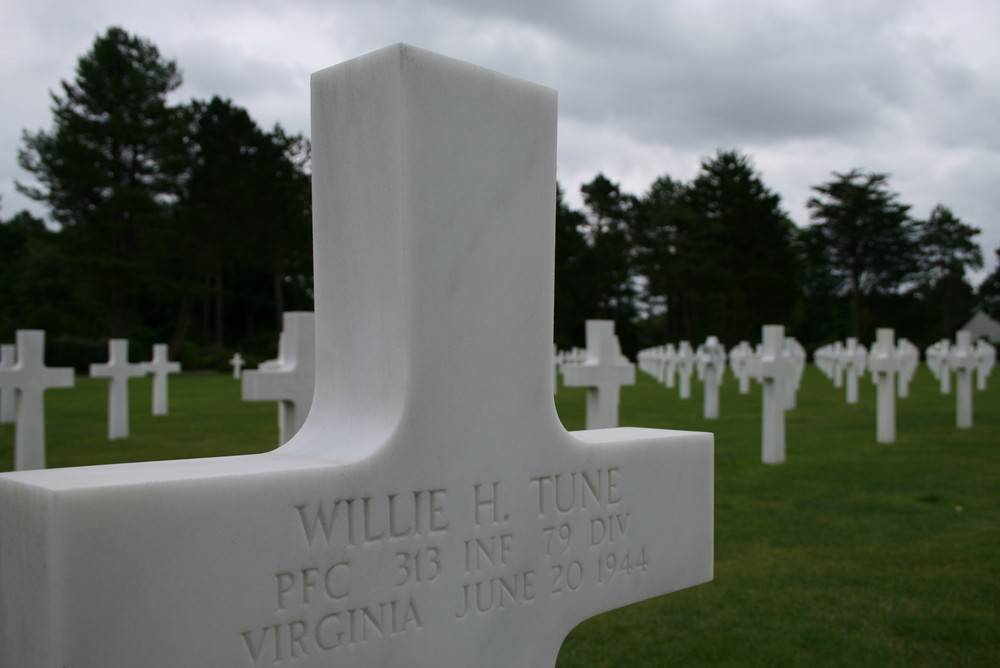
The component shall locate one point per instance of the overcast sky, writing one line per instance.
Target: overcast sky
(646, 87)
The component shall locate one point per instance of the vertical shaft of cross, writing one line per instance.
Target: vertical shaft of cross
(884, 365)
(773, 378)
(403, 172)
(963, 362)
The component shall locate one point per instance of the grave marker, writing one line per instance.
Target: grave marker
(684, 366)
(603, 373)
(854, 358)
(909, 356)
(160, 367)
(29, 377)
(796, 354)
(237, 362)
(986, 357)
(773, 370)
(291, 379)
(118, 370)
(711, 367)
(884, 363)
(8, 397)
(740, 359)
(962, 359)
(432, 511)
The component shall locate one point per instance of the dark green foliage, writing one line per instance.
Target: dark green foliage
(867, 240)
(185, 223)
(102, 171)
(989, 291)
(717, 254)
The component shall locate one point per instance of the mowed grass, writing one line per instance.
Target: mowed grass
(851, 553)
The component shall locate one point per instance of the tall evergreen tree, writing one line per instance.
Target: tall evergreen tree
(947, 251)
(610, 257)
(757, 263)
(102, 169)
(867, 236)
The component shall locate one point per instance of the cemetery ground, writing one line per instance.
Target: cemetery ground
(849, 554)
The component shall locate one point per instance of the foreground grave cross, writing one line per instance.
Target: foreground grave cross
(432, 511)
(160, 366)
(8, 400)
(290, 380)
(30, 378)
(884, 363)
(603, 373)
(118, 370)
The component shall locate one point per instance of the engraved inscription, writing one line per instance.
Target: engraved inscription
(370, 563)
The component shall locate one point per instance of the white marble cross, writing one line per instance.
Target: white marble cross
(237, 362)
(773, 370)
(884, 363)
(668, 368)
(291, 379)
(8, 397)
(962, 359)
(796, 354)
(160, 366)
(118, 370)
(909, 356)
(684, 366)
(986, 357)
(603, 373)
(938, 355)
(853, 358)
(739, 361)
(838, 364)
(432, 511)
(711, 358)
(29, 377)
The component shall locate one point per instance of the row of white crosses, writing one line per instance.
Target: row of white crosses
(940, 361)
(24, 379)
(417, 517)
(118, 370)
(893, 366)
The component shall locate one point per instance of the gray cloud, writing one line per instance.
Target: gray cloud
(646, 87)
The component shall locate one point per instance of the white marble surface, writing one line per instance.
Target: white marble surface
(30, 378)
(854, 357)
(432, 473)
(290, 380)
(684, 366)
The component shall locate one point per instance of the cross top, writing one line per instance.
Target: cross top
(161, 364)
(118, 366)
(432, 510)
(962, 355)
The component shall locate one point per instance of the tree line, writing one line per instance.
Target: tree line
(189, 223)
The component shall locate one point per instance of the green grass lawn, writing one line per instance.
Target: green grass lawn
(849, 554)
